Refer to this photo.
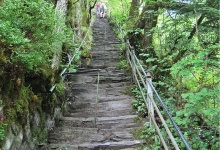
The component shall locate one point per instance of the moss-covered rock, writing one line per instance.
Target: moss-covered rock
(28, 109)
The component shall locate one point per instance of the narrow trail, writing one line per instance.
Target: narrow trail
(77, 129)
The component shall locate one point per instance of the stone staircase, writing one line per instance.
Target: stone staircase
(108, 124)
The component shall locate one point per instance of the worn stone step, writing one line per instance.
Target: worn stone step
(93, 135)
(101, 99)
(109, 145)
(102, 78)
(58, 146)
(119, 84)
(105, 58)
(78, 129)
(112, 71)
(122, 145)
(89, 123)
(100, 113)
(75, 101)
(102, 107)
(109, 71)
(105, 47)
(101, 122)
(88, 93)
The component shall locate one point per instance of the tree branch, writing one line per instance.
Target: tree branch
(90, 9)
(192, 33)
(75, 2)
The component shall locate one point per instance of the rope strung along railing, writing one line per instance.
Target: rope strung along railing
(142, 78)
(71, 59)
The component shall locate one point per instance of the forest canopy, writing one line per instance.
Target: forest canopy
(178, 42)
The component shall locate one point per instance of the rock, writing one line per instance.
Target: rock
(14, 138)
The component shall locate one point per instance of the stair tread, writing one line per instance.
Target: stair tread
(112, 129)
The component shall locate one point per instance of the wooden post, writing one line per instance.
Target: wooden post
(150, 98)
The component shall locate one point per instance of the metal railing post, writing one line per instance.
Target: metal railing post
(127, 51)
(96, 102)
(150, 98)
(133, 63)
(123, 35)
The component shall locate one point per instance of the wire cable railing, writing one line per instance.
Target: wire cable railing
(143, 80)
(70, 59)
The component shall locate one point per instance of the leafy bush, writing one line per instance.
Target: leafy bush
(28, 28)
(2, 130)
(139, 104)
(122, 64)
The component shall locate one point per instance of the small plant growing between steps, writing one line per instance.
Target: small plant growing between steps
(139, 104)
(122, 64)
(3, 126)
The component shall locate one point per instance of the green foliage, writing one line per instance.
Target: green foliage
(40, 134)
(17, 109)
(120, 11)
(122, 64)
(184, 62)
(150, 138)
(139, 104)
(3, 127)
(28, 27)
(29, 37)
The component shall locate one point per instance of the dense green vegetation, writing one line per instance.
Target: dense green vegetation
(178, 43)
(32, 35)
(26, 46)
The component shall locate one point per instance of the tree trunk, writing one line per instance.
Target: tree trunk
(133, 13)
(61, 10)
(147, 21)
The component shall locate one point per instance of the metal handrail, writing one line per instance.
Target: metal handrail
(68, 65)
(137, 63)
(134, 62)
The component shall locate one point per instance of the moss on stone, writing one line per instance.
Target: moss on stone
(24, 94)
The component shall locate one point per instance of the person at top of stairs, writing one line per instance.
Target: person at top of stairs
(103, 9)
(98, 6)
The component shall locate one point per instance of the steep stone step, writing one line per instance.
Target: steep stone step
(109, 145)
(109, 113)
(82, 105)
(103, 77)
(90, 86)
(113, 57)
(121, 145)
(78, 129)
(85, 135)
(106, 73)
(101, 122)
(102, 98)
